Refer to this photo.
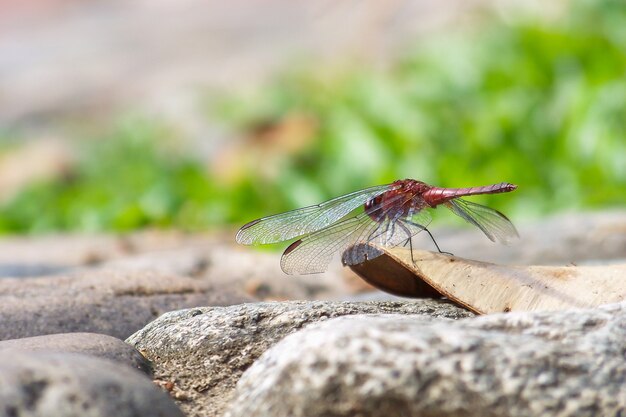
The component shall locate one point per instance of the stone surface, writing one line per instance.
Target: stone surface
(238, 268)
(28, 256)
(211, 259)
(563, 364)
(205, 350)
(108, 302)
(91, 344)
(68, 385)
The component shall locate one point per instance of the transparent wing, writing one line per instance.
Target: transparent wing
(398, 231)
(419, 217)
(313, 253)
(494, 224)
(305, 220)
(389, 233)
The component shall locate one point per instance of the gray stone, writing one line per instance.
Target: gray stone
(30, 256)
(563, 364)
(68, 385)
(92, 344)
(205, 350)
(236, 269)
(116, 303)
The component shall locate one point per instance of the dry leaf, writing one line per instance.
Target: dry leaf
(490, 288)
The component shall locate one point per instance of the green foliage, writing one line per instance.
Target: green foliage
(540, 104)
(123, 182)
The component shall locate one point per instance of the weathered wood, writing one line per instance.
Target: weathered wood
(489, 288)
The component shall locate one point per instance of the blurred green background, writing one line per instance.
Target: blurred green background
(537, 102)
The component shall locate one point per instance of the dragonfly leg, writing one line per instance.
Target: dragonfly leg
(371, 237)
(393, 230)
(409, 240)
(435, 242)
(431, 237)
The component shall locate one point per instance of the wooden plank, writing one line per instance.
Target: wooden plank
(489, 288)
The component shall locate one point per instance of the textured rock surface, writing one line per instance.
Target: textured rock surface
(28, 256)
(205, 350)
(72, 385)
(239, 268)
(92, 344)
(519, 364)
(107, 302)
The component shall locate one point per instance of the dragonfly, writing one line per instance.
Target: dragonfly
(385, 215)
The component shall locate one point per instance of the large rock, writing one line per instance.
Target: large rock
(562, 364)
(72, 385)
(92, 344)
(205, 350)
(116, 303)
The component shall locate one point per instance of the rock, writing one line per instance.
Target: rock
(29, 256)
(205, 350)
(108, 302)
(257, 273)
(375, 295)
(91, 344)
(568, 363)
(209, 258)
(68, 385)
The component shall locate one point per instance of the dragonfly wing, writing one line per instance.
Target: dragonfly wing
(399, 231)
(305, 220)
(494, 224)
(313, 253)
(419, 218)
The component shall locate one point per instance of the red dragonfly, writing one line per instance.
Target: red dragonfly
(392, 214)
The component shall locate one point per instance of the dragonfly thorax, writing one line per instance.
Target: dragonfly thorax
(403, 197)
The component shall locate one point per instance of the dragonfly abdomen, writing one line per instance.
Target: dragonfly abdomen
(438, 195)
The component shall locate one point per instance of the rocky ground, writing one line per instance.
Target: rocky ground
(211, 329)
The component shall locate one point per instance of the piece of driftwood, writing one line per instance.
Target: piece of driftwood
(489, 288)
